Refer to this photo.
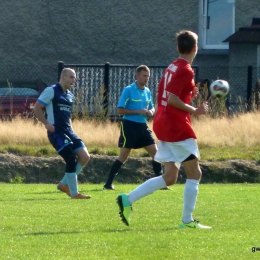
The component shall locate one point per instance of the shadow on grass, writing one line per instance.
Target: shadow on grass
(24, 199)
(49, 233)
(44, 192)
(74, 232)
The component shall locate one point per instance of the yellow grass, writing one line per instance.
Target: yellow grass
(239, 130)
(242, 130)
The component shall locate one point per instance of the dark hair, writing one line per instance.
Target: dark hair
(186, 41)
(142, 67)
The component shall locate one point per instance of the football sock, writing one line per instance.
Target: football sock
(148, 187)
(190, 194)
(64, 180)
(72, 183)
(79, 167)
(113, 172)
(157, 168)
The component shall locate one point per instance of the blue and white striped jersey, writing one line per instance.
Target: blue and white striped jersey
(58, 105)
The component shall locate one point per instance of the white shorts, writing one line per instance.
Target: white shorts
(176, 151)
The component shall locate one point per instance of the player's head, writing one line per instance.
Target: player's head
(67, 78)
(187, 42)
(142, 75)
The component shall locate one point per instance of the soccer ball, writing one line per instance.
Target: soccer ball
(219, 88)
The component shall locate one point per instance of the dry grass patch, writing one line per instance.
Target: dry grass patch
(239, 131)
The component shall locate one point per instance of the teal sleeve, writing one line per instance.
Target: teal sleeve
(151, 105)
(124, 98)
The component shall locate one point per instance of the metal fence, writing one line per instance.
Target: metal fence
(98, 87)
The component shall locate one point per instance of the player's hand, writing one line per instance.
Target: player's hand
(50, 127)
(149, 113)
(202, 109)
(194, 92)
(143, 111)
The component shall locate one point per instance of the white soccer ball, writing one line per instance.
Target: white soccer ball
(219, 88)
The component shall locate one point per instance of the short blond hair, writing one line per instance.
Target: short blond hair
(142, 67)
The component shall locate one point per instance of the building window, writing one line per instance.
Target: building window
(217, 22)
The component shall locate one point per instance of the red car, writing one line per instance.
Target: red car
(19, 97)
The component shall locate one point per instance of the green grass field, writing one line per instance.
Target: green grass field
(38, 222)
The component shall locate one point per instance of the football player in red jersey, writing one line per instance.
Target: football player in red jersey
(173, 128)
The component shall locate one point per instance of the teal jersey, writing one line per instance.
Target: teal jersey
(134, 98)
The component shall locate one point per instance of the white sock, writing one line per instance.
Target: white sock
(146, 188)
(79, 168)
(72, 183)
(190, 194)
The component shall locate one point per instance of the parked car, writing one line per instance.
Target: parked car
(19, 97)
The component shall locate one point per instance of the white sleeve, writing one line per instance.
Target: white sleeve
(46, 96)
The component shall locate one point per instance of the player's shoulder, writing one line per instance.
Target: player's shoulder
(49, 89)
(147, 89)
(183, 67)
(129, 88)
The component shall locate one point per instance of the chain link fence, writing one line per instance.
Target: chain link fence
(98, 87)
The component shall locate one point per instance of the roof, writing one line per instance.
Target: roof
(249, 34)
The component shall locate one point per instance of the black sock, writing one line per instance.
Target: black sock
(113, 172)
(157, 168)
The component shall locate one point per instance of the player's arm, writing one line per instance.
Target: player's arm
(176, 102)
(38, 111)
(150, 112)
(125, 111)
(151, 109)
(44, 99)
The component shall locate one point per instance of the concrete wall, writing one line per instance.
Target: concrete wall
(245, 11)
(92, 31)
(35, 35)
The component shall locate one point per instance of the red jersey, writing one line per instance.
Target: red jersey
(172, 124)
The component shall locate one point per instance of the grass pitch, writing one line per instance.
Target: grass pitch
(39, 222)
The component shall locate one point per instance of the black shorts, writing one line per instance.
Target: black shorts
(63, 138)
(134, 135)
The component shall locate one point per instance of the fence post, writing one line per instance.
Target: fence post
(106, 87)
(196, 71)
(249, 87)
(60, 68)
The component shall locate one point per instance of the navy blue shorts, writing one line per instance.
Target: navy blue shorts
(63, 138)
(134, 135)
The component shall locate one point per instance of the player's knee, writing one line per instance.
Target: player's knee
(194, 174)
(84, 159)
(70, 159)
(123, 158)
(170, 179)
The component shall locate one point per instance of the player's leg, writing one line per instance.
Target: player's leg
(170, 176)
(157, 167)
(70, 158)
(59, 141)
(70, 177)
(193, 173)
(81, 152)
(150, 186)
(147, 141)
(126, 142)
(83, 158)
(123, 155)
